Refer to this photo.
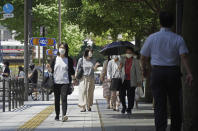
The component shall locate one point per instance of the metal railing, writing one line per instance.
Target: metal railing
(12, 92)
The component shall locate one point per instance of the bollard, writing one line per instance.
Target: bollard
(43, 99)
(9, 95)
(16, 94)
(23, 91)
(3, 95)
(47, 96)
(13, 94)
(19, 90)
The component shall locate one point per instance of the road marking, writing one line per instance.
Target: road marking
(100, 116)
(37, 120)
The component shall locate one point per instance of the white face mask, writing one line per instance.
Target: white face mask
(61, 51)
(129, 55)
(90, 54)
(114, 57)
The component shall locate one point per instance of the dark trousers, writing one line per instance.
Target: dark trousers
(127, 90)
(166, 82)
(60, 90)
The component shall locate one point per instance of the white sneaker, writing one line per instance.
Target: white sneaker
(64, 118)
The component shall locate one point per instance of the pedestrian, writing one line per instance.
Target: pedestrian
(87, 82)
(63, 73)
(33, 75)
(33, 79)
(6, 70)
(166, 49)
(105, 83)
(114, 69)
(131, 78)
(21, 73)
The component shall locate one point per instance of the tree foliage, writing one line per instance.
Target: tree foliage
(45, 13)
(114, 16)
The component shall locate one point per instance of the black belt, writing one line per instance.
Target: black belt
(165, 67)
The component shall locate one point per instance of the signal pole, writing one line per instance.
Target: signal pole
(26, 48)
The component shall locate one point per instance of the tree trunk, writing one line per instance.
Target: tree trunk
(190, 94)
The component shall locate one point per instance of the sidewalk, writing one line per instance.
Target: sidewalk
(39, 115)
(142, 119)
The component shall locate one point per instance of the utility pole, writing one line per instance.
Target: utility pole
(43, 28)
(26, 47)
(59, 27)
(30, 30)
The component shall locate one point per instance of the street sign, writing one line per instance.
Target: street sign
(43, 41)
(8, 8)
(52, 52)
(35, 41)
(8, 16)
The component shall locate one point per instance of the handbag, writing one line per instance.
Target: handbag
(80, 71)
(139, 93)
(70, 90)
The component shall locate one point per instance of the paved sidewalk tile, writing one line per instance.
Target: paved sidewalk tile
(142, 119)
(99, 119)
(77, 121)
(13, 120)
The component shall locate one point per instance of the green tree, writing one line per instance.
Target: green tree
(45, 13)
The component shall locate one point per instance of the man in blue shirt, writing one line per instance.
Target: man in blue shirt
(166, 49)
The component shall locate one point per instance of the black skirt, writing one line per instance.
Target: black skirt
(116, 84)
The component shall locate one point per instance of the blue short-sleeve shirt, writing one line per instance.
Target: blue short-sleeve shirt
(164, 48)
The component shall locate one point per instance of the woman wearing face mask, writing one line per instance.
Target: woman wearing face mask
(131, 78)
(87, 82)
(63, 72)
(114, 71)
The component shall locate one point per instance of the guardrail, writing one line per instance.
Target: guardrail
(12, 92)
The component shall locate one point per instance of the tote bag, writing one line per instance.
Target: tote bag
(80, 70)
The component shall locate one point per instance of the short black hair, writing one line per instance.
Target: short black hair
(87, 52)
(32, 66)
(166, 19)
(20, 68)
(6, 63)
(130, 48)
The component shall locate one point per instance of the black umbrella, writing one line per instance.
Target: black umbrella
(116, 48)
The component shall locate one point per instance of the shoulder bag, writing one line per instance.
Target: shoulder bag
(80, 71)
